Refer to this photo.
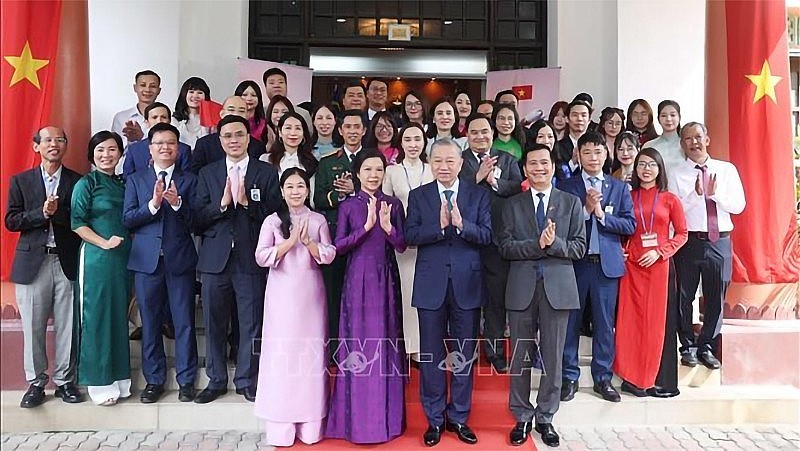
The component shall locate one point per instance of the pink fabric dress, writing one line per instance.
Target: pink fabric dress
(293, 379)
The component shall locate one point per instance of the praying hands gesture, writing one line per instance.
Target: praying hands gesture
(158, 193)
(386, 217)
(710, 189)
(171, 195)
(486, 169)
(371, 214)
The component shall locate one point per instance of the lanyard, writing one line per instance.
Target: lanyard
(408, 179)
(647, 230)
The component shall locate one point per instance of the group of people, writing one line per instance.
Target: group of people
(343, 244)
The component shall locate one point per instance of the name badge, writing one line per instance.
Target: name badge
(609, 209)
(649, 240)
(497, 172)
(255, 195)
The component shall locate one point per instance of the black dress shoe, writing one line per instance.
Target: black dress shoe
(498, 363)
(136, 335)
(549, 434)
(168, 330)
(708, 360)
(568, 389)
(632, 389)
(33, 397)
(208, 395)
(463, 432)
(249, 393)
(69, 393)
(519, 434)
(660, 392)
(607, 391)
(152, 393)
(688, 359)
(186, 393)
(432, 436)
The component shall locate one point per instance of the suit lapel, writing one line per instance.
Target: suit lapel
(529, 211)
(37, 184)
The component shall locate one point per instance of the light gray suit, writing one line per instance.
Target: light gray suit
(540, 292)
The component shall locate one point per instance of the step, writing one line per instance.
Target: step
(731, 404)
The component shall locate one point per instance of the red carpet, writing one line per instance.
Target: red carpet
(490, 419)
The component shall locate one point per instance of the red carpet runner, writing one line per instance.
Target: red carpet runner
(490, 419)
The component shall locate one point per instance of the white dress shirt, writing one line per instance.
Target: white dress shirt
(729, 193)
(587, 184)
(454, 189)
(131, 114)
(50, 189)
(545, 199)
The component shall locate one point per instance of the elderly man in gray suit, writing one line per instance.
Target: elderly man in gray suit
(541, 232)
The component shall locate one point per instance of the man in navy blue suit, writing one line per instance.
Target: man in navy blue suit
(137, 158)
(608, 210)
(163, 260)
(234, 196)
(450, 222)
(208, 149)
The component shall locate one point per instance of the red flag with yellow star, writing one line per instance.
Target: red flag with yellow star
(28, 46)
(753, 61)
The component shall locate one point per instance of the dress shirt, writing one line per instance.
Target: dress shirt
(454, 189)
(729, 194)
(241, 163)
(573, 165)
(545, 199)
(119, 123)
(371, 113)
(167, 180)
(289, 160)
(351, 155)
(51, 188)
(587, 184)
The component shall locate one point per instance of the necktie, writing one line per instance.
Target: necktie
(540, 211)
(352, 157)
(448, 196)
(594, 240)
(711, 208)
(52, 186)
(479, 156)
(234, 178)
(163, 177)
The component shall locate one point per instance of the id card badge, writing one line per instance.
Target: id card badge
(649, 240)
(497, 173)
(255, 195)
(609, 210)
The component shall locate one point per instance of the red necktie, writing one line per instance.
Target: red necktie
(711, 208)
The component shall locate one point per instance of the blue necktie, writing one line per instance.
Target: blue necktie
(448, 195)
(540, 212)
(594, 240)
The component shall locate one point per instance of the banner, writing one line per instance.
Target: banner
(765, 242)
(29, 44)
(298, 78)
(536, 89)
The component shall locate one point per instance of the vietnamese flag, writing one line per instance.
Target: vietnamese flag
(524, 92)
(28, 47)
(209, 113)
(748, 110)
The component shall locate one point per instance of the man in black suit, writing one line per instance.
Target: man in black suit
(208, 149)
(498, 173)
(45, 265)
(234, 196)
(579, 115)
(541, 232)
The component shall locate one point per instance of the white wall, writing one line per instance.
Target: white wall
(177, 39)
(662, 54)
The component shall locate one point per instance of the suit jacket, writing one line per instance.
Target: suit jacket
(167, 232)
(448, 255)
(518, 235)
(208, 149)
(138, 158)
(237, 227)
(326, 199)
(508, 184)
(619, 220)
(562, 153)
(26, 197)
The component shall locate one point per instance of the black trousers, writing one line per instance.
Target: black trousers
(668, 371)
(495, 276)
(713, 261)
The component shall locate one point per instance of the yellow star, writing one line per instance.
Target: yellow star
(765, 83)
(26, 66)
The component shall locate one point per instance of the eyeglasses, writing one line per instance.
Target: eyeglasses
(230, 136)
(383, 127)
(413, 104)
(647, 165)
(54, 140)
(164, 143)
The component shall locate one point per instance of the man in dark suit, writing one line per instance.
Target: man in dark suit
(497, 172)
(541, 232)
(45, 265)
(208, 149)
(137, 157)
(579, 115)
(333, 184)
(450, 222)
(163, 261)
(608, 211)
(234, 196)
